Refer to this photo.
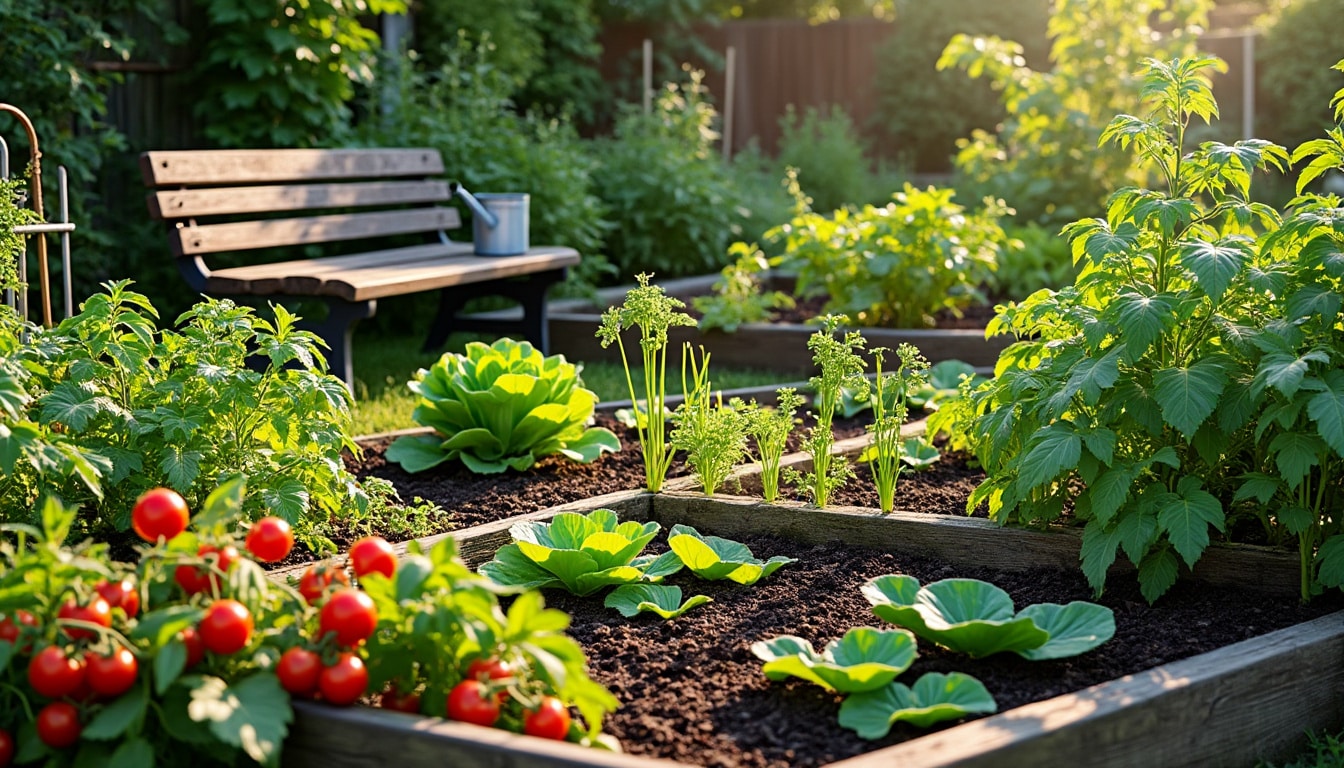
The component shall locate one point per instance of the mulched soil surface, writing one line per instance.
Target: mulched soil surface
(692, 691)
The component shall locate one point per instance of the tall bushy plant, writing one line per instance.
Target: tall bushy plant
(1293, 59)
(831, 158)
(1044, 160)
(1192, 370)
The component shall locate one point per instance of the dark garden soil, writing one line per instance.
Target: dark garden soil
(976, 316)
(692, 691)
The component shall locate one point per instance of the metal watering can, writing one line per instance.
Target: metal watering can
(499, 221)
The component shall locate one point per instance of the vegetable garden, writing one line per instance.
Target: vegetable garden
(1131, 520)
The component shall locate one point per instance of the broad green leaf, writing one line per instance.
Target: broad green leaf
(511, 568)
(1100, 543)
(252, 714)
(595, 442)
(1215, 265)
(1188, 395)
(135, 752)
(1108, 492)
(965, 615)
(1074, 628)
(1258, 486)
(1326, 408)
(935, 697)
(582, 552)
(1330, 562)
(864, 659)
(1052, 451)
(1137, 530)
(1142, 319)
(169, 663)
(1295, 453)
(1186, 517)
(70, 404)
(1314, 299)
(633, 599)
(1296, 518)
(714, 558)
(917, 453)
(1157, 573)
(113, 720)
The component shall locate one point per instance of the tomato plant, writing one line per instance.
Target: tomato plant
(195, 579)
(351, 615)
(317, 579)
(345, 681)
(96, 611)
(270, 539)
(54, 674)
(372, 554)
(113, 675)
(400, 702)
(226, 627)
(58, 725)
(10, 629)
(121, 594)
(6, 748)
(159, 512)
(191, 640)
(550, 720)
(472, 702)
(298, 670)
(491, 668)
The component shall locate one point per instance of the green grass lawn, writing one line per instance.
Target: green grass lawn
(383, 365)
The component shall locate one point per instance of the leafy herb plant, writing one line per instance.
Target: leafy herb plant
(770, 429)
(581, 553)
(977, 618)
(713, 437)
(840, 366)
(738, 296)
(653, 312)
(886, 454)
(714, 559)
(501, 406)
(865, 659)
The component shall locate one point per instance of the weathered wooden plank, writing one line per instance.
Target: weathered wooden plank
(477, 544)
(308, 230)
(235, 166)
(266, 279)
(1248, 701)
(327, 737)
(956, 539)
(188, 203)
(380, 282)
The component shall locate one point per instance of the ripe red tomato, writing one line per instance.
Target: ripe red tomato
(113, 675)
(6, 748)
(400, 702)
(298, 670)
(226, 627)
(159, 512)
(349, 613)
(470, 701)
(58, 725)
(372, 554)
(345, 681)
(270, 539)
(197, 579)
(53, 674)
(317, 579)
(10, 628)
(121, 594)
(97, 611)
(489, 669)
(195, 646)
(550, 720)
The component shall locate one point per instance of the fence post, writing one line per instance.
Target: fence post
(729, 75)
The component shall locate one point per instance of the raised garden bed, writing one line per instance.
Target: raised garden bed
(1252, 698)
(765, 346)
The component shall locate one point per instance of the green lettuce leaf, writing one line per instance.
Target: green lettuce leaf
(633, 599)
(865, 659)
(965, 615)
(935, 697)
(714, 559)
(582, 553)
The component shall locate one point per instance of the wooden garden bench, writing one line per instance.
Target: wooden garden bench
(231, 201)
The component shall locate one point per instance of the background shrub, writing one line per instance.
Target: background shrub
(834, 163)
(1294, 55)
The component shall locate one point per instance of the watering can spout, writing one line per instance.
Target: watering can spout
(486, 217)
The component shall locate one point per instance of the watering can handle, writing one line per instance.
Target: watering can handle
(488, 218)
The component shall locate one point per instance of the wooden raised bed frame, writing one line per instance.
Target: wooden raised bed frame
(1250, 700)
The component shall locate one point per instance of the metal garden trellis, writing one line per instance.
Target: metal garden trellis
(19, 299)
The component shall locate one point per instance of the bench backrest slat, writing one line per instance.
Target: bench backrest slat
(190, 203)
(266, 166)
(248, 235)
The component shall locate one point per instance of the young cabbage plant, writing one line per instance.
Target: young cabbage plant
(653, 312)
(935, 697)
(977, 618)
(713, 558)
(713, 437)
(865, 659)
(887, 453)
(501, 406)
(580, 553)
(633, 599)
(840, 367)
(770, 428)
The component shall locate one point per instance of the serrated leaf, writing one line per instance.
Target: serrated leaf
(181, 466)
(632, 599)
(135, 752)
(1052, 450)
(1296, 518)
(1142, 319)
(1098, 553)
(1258, 486)
(252, 714)
(1187, 396)
(1295, 454)
(1326, 408)
(1215, 265)
(1330, 562)
(935, 697)
(1157, 573)
(1186, 517)
(1108, 492)
(1137, 530)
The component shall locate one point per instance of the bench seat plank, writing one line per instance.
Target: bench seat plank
(307, 230)
(261, 166)
(220, 201)
(380, 274)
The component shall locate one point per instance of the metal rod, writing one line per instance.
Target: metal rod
(1248, 85)
(35, 184)
(63, 180)
(648, 76)
(4, 174)
(729, 75)
(34, 229)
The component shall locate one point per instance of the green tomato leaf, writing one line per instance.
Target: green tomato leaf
(1186, 517)
(1188, 395)
(113, 720)
(135, 752)
(1142, 319)
(632, 599)
(865, 659)
(935, 697)
(1295, 453)
(169, 663)
(1330, 562)
(1052, 451)
(1215, 265)
(1326, 408)
(1074, 628)
(252, 714)
(1157, 573)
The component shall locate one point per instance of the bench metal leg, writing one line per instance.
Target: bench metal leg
(529, 292)
(337, 331)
